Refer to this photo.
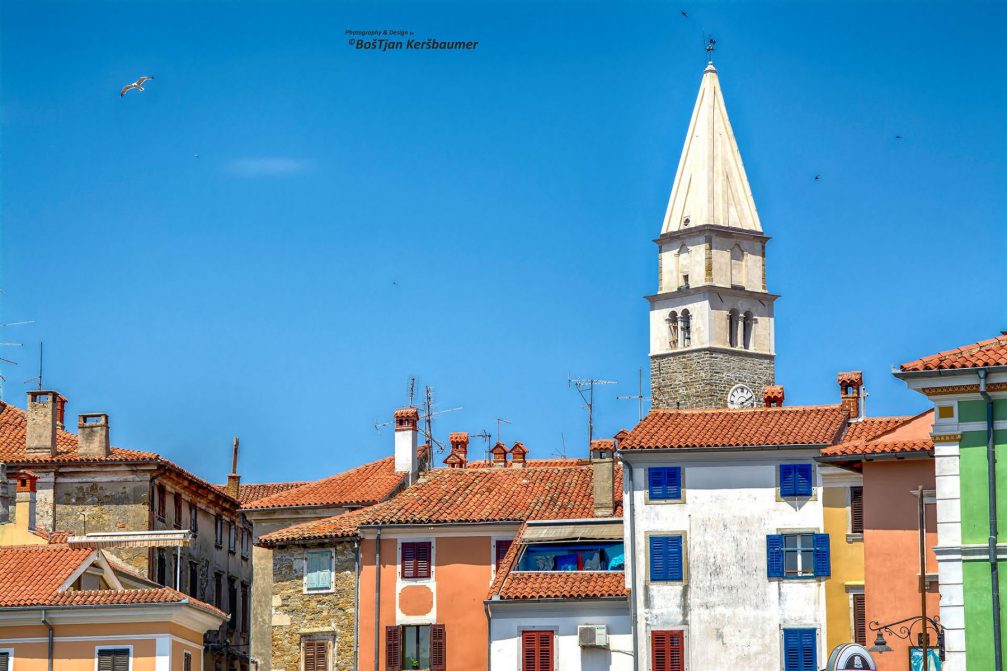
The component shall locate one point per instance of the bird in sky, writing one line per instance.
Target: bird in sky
(818, 178)
(138, 85)
(684, 13)
(898, 137)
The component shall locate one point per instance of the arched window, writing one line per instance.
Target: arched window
(682, 262)
(672, 329)
(685, 324)
(732, 327)
(737, 266)
(749, 329)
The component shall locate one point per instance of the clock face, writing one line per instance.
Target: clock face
(740, 396)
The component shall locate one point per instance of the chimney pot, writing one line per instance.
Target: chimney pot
(406, 442)
(92, 435)
(772, 395)
(233, 479)
(850, 386)
(45, 411)
(499, 453)
(518, 453)
(603, 472)
(455, 460)
(24, 502)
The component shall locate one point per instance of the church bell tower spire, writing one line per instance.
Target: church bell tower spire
(711, 320)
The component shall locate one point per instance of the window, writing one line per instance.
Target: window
(416, 647)
(162, 568)
(230, 537)
(733, 320)
(318, 571)
(186, 660)
(799, 650)
(178, 511)
(218, 540)
(686, 325)
(5, 660)
(244, 608)
(798, 555)
(795, 480)
(194, 579)
(316, 654)
(537, 650)
(664, 483)
(859, 604)
(737, 267)
(666, 563)
(193, 518)
(672, 330)
(856, 510)
(500, 551)
(161, 502)
(232, 603)
(245, 535)
(667, 651)
(598, 556)
(218, 590)
(749, 328)
(113, 659)
(416, 560)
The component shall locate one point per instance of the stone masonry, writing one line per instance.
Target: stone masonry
(703, 378)
(296, 615)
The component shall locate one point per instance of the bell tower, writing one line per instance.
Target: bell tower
(711, 320)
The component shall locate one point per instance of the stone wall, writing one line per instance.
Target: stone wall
(703, 378)
(296, 614)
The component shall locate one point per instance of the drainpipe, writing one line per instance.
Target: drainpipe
(356, 604)
(991, 478)
(378, 596)
(628, 473)
(489, 636)
(49, 626)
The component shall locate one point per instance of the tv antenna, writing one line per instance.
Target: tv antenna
(10, 344)
(585, 387)
(639, 395)
(501, 420)
(38, 378)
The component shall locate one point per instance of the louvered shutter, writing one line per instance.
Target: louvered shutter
(393, 648)
(857, 510)
(501, 550)
(545, 651)
(859, 619)
(823, 563)
(809, 650)
(788, 480)
(438, 648)
(422, 560)
(104, 660)
(310, 664)
(537, 651)
(800, 650)
(408, 560)
(116, 659)
(321, 656)
(802, 480)
(4, 661)
(658, 558)
(664, 482)
(675, 558)
(774, 555)
(655, 483)
(667, 653)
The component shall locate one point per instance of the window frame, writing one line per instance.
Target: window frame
(315, 639)
(820, 550)
(649, 499)
(854, 532)
(853, 616)
(125, 646)
(787, 498)
(246, 538)
(653, 650)
(10, 657)
(799, 550)
(218, 532)
(193, 518)
(783, 644)
(186, 660)
(161, 503)
(683, 557)
(176, 500)
(332, 571)
(232, 537)
(429, 575)
(554, 636)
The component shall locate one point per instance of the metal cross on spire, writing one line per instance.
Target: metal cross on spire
(711, 46)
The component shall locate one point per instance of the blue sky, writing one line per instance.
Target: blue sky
(281, 229)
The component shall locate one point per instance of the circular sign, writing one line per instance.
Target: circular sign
(851, 657)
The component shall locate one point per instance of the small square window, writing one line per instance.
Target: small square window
(318, 571)
(664, 483)
(795, 480)
(416, 560)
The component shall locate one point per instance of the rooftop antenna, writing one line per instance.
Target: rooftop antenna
(561, 453)
(10, 344)
(38, 378)
(412, 389)
(585, 387)
(485, 435)
(501, 420)
(639, 395)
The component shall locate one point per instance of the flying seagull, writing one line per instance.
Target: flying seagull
(818, 178)
(684, 13)
(138, 85)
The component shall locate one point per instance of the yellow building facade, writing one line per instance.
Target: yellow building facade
(844, 590)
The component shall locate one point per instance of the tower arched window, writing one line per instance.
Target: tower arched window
(672, 329)
(685, 325)
(749, 329)
(737, 266)
(682, 262)
(732, 327)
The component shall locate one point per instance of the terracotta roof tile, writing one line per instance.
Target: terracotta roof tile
(470, 495)
(902, 435)
(564, 585)
(698, 428)
(992, 352)
(359, 486)
(255, 491)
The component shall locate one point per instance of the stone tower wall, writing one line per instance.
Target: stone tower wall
(703, 378)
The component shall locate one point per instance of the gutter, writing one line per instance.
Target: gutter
(991, 478)
(713, 449)
(356, 604)
(627, 474)
(489, 636)
(49, 626)
(945, 372)
(880, 456)
(377, 597)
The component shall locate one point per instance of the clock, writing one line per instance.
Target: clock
(740, 396)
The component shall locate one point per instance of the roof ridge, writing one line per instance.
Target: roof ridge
(696, 411)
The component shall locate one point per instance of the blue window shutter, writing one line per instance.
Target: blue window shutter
(673, 483)
(802, 479)
(809, 651)
(791, 650)
(823, 563)
(664, 482)
(312, 570)
(655, 483)
(658, 558)
(788, 477)
(774, 555)
(675, 558)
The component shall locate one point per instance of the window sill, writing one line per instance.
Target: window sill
(855, 538)
(328, 590)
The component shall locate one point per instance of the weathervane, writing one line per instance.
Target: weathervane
(711, 46)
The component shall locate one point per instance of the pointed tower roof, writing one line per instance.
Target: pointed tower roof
(710, 186)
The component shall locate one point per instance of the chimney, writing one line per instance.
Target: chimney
(603, 466)
(233, 479)
(406, 434)
(455, 460)
(850, 385)
(24, 505)
(517, 455)
(499, 453)
(92, 435)
(772, 395)
(45, 410)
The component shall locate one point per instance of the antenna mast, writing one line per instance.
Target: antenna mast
(585, 387)
(639, 395)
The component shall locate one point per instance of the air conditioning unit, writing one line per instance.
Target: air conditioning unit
(592, 635)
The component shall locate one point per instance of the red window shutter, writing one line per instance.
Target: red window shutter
(537, 651)
(502, 547)
(438, 648)
(416, 560)
(667, 651)
(309, 656)
(423, 560)
(321, 656)
(857, 510)
(860, 619)
(393, 648)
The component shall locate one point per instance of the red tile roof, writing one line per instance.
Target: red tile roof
(255, 491)
(470, 495)
(359, 486)
(13, 429)
(32, 575)
(992, 352)
(872, 427)
(745, 427)
(911, 434)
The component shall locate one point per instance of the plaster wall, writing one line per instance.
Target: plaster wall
(847, 555)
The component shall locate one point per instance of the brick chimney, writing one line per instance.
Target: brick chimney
(851, 384)
(772, 395)
(406, 442)
(233, 479)
(92, 435)
(603, 465)
(24, 504)
(454, 460)
(45, 412)
(499, 453)
(460, 443)
(518, 452)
